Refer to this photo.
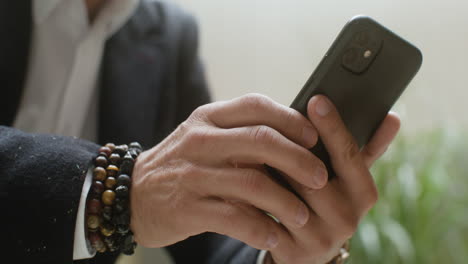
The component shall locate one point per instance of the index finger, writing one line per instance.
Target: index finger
(344, 152)
(255, 110)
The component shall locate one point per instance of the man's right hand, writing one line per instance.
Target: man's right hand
(207, 176)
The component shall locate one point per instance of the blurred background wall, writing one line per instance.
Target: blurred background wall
(272, 46)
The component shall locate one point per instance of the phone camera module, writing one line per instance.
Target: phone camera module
(361, 51)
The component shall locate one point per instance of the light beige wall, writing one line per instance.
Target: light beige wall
(272, 46)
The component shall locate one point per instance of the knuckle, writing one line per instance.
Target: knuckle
(198, 136)
(256, 101)
(350, 150)
(201, 112)
(293, 119)
(262, 135)
(251, 181)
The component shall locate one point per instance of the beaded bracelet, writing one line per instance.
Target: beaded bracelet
(107, 208)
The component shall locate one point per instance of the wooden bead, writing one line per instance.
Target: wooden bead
(94, 206)
(114, 159)
(105, 150)
(99, 173)
(110, 182)
(97, 188)
(101, 161)
(112, 170)
(96, 242)
(111, 146)
(107, 229)
(93, 222)
(108, 197)
(124, 179)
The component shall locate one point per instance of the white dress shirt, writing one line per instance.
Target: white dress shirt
(60, 94)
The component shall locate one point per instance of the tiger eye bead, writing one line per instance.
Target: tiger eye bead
(105, 150)
(110, 182)
(93, 222)
(124, 179)
(94, 206)
(107, 229)
(111, 146)
(112, 170)
(99, 174)
(114, 159)
(108, 197)
(101, 161)
(97, 188)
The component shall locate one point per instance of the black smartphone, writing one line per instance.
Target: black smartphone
(363, 73)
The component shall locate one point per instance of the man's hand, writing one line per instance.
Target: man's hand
(337, 208)
(207, 176)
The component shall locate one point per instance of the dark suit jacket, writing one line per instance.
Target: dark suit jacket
(151, 80)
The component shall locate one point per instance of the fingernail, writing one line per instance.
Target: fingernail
(302, 215)
(272, 241)
(309, 135)
(320, 177)
(322, 107)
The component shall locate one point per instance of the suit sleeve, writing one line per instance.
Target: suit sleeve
(193, 92)
(41, 178)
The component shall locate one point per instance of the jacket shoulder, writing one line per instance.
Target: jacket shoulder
(164, 17)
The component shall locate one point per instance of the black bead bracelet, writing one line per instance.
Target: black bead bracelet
(107, 208)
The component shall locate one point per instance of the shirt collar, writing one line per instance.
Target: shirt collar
(43, 8)
(115, 12)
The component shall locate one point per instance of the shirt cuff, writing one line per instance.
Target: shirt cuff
(82, 249)
(261, 256)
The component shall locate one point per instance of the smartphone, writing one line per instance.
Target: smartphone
(363, 73)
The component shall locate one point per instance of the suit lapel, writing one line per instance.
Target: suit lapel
(15, 29)
(133, 70)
